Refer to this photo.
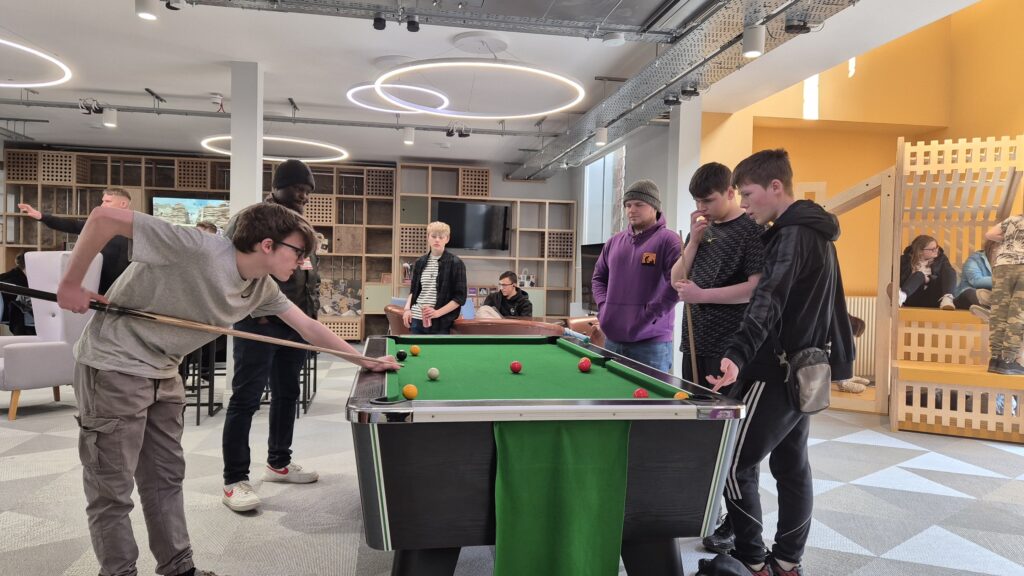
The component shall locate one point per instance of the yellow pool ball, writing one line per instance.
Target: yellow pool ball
(410, 391)
(414, 350)
(681, 396)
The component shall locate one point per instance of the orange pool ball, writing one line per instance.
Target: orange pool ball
(410, 391)
(681, 396)
(414, 350)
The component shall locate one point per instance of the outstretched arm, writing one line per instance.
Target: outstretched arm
(104, 223)
(319, 335)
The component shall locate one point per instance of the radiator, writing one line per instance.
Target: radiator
(863, 307)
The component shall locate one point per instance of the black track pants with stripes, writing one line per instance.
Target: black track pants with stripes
(773, 426)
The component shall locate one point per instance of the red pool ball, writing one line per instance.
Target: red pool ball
(516, 367)
(584, 365)
(640, 393)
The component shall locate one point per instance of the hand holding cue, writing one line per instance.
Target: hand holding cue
(689, 322)
(189, 324)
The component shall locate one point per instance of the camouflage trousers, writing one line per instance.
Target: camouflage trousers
(1006, 322)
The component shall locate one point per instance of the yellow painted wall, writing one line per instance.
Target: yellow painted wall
(842, 159)
(726, 138)
(906, 81)
(987, 93)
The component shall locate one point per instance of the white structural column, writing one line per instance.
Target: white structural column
(246, 134)
(246, 149)
(677, 204)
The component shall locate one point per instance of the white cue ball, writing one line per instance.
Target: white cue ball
(433, 373)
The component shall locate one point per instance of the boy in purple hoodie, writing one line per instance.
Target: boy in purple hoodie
(632, 281)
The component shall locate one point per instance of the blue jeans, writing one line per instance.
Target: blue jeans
(657, 355)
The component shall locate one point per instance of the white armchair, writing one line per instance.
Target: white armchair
(45, 360)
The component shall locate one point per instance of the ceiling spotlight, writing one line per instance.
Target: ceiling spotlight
(464, 132)
(146, 9)
(110, 117)
(412, 24)
(379, 22)
(688, 93)
(450, 131)
(564, 165)
(601, 136)
(672, 100)
(175, 4)
(753, 40)
(797, 26)
(408, 135)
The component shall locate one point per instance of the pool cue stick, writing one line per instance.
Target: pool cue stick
(689, 322)
(182, 323)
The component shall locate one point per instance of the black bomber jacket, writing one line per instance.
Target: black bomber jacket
(799, 301)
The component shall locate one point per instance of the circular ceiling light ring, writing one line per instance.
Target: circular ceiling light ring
(64, 68)
(370, 86)
(422, 65)
(341, 153)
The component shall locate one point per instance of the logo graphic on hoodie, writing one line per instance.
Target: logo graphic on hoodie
(649, 259)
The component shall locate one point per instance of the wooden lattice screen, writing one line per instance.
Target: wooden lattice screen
(955, 191)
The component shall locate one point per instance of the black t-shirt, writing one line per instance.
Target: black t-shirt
(734, 253)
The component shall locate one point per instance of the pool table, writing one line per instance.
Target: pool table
(426, 467)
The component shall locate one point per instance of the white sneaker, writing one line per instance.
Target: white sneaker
(903, 297)
(240, 497)
(981, 312)
(984, 296)
(849, 386)
(946, 303)
(292, 473)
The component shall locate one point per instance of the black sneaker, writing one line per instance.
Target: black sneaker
(1003, 367)
(723, 541)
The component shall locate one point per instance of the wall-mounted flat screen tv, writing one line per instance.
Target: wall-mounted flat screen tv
(188, 211)
(475, 225)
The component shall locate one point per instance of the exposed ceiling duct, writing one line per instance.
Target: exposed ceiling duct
(655, 21)
(706, 52)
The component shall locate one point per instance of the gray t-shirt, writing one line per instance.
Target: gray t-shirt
(175, 271)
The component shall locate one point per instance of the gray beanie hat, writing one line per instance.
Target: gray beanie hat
(644, 191)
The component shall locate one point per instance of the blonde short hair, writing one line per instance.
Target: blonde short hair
(439, 228)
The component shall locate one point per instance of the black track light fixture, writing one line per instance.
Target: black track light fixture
(379, 22)
(412, 24)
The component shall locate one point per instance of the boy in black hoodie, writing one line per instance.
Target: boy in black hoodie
(798, 303)
(509, 301)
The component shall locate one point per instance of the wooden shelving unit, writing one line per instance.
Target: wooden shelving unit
(353, 209)
(542, 239)
(372, 219)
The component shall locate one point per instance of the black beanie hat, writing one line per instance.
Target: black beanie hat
(293, 172)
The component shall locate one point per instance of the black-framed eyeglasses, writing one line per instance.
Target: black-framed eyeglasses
(299, 252)
(503, 285)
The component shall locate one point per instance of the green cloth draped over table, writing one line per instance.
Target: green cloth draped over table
(560, 497)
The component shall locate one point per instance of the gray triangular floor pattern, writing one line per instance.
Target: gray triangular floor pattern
(886, 503)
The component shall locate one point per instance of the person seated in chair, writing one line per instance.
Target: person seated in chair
(508, 302)
(927, 280)
(17, 310)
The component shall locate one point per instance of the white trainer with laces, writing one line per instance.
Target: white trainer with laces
(946, 302)
(292, 473)
(240, 497)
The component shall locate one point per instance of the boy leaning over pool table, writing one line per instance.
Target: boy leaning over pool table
(126, 381)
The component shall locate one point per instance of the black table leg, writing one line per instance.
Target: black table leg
(652, 558)
(430, 562)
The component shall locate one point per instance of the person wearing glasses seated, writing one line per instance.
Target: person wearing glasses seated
(927, 280)
(508, 302)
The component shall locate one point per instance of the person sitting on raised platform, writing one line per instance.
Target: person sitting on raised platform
(927, 280)
(508, 302)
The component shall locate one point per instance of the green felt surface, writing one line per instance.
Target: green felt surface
(477, 368)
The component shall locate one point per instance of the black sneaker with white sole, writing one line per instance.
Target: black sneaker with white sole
(722, 541)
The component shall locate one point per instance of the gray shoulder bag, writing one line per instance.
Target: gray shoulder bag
(809, 379)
